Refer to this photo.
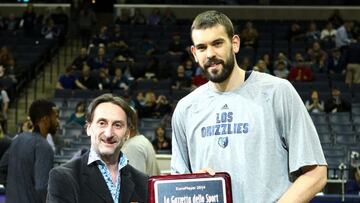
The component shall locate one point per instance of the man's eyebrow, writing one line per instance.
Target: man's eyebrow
(214, 41)
(199, 45)
(218, 40)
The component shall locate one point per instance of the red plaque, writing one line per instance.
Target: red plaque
(190, 188)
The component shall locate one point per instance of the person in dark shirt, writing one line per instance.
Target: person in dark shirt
(67, 80)
(336, 103)
(61, 20)
(161, 142)
(29, 20)
(86, 81)
(82, 59)
(5, 142)
(352, 59)
(25, 166)
(335, 63)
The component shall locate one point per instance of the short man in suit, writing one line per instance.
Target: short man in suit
(102, 174)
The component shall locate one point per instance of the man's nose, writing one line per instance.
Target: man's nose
(108, 132)
(210, 53)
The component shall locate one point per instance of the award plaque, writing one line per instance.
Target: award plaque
(190, 188)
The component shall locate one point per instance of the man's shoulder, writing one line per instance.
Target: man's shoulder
(71, 167)
(193, 96)
(263, 77)
(68, 173)
(264, 80)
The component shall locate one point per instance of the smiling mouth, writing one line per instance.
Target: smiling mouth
(110, 142)
(212, 63)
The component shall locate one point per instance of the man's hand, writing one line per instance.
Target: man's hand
(206, 170)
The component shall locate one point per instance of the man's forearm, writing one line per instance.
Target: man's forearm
(306, 185)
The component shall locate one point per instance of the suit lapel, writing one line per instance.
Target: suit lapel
(127, 185)
(94, 180)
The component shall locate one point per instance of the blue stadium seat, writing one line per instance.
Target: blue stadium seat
(59, 102)
(321, 86)
(345, 138)
(326, 139)
(150, 122)
(319, 118)
(355, 109)
(73, 129)
(340, 118)
(342, 128)
(148, 132)
(321, 77)
(65, 113)
(72, 102)
(323, 129)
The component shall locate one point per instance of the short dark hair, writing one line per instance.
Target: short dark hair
(39, 109)
(112, 99)
(212, 18)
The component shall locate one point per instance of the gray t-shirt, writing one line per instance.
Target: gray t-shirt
(141, 155)
(260, 133)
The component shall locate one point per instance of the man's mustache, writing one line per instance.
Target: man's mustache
(213, 61)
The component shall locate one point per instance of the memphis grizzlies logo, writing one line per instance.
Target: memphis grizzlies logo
(223, 142)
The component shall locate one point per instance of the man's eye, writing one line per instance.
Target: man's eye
(102, 123)
(217, 44)
(118, 125)
(200, 48)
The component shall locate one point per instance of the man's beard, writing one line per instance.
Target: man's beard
(53, 130)
(222, 74)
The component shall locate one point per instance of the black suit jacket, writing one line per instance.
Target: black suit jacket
(76, 182)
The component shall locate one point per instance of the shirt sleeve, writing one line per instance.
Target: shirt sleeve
(180, 162)
(297, 129)
(62, 188)
(4, 167)
(44, 160)
(5, 96)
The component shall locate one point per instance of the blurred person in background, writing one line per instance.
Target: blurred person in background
(249, 36)
(352, 59)
(5, 142)
(78, 117)
(300, 70)
(67, 79)
(336, 102)
(314, 104)
(161, 142)
(24, 168)
(139, 150)
(281, 71)
(335, 64)
(4, 107)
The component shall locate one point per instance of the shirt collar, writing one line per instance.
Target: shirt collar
(94, 157)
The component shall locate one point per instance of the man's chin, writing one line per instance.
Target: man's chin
(106, 152)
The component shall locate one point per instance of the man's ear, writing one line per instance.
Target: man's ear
(45, 120)
(87, 126)
(235, 43)
(193, 51)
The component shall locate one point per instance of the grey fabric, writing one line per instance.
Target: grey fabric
(141, 155)
(260, 133)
